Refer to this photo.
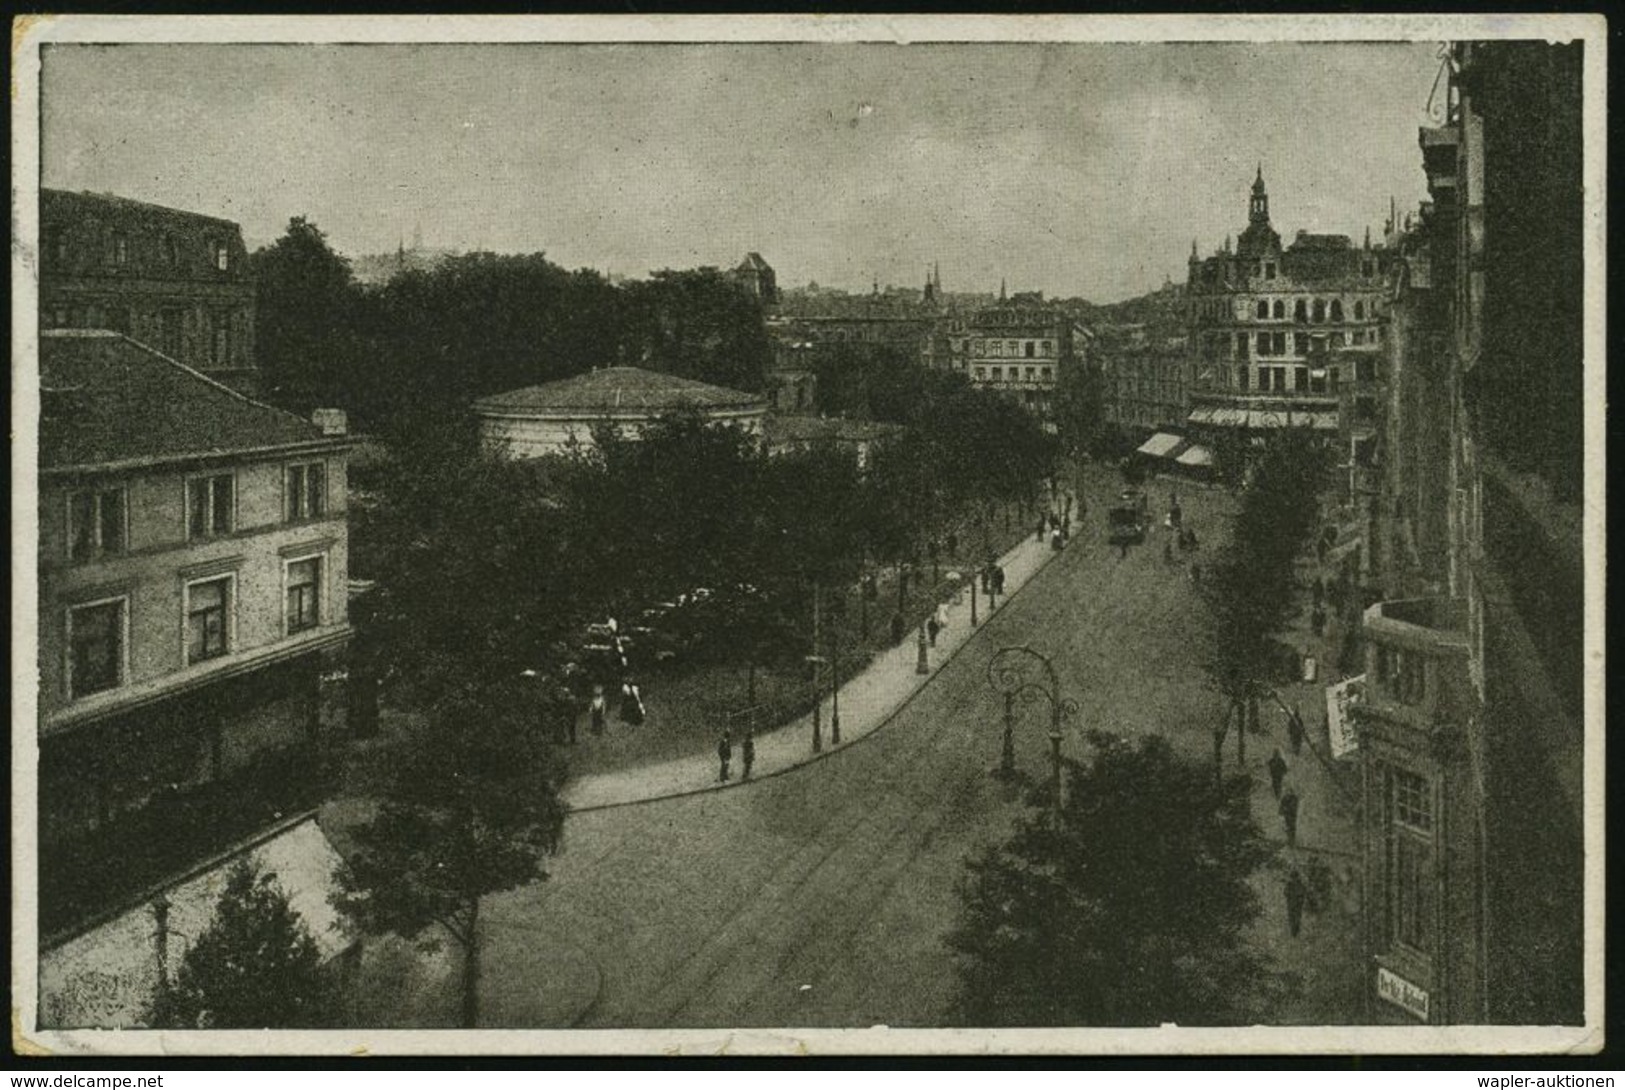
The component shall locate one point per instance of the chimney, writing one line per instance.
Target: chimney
(331, 421)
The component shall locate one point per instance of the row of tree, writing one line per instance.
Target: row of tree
(1250, 588)
(481, 323)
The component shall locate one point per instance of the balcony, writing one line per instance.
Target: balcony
(1416, 666)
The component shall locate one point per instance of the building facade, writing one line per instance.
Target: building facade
(1019, 349)
(1268, 323)
(192, 607)
(178, 281)
(1470, 731)
(756, 276)
(1145, 378)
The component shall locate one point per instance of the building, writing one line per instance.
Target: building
(1470, 728)
(178, 281)
(555, 417)
(1265, 323)
(192, 614)
(1145, 377)
(757, 277)
(1019, 349)
(859, 438)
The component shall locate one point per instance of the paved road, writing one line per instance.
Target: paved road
(821, 897)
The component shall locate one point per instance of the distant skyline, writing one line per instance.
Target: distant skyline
(1074, 169)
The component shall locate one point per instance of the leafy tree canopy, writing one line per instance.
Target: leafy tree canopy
(1132, 909)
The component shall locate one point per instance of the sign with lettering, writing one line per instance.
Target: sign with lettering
(1339, 723)
(1402, 993)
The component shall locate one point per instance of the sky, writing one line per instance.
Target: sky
(1073, 169)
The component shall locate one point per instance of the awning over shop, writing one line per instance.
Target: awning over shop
(1160, 445)
(1219, 416)
(1195, 455)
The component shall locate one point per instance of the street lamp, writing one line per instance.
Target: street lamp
(1021, 673)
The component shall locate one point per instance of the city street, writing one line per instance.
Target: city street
(821, 897)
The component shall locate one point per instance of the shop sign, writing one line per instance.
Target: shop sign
(1339, 723)
(1402, 993)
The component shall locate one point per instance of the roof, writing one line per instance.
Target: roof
(162, 243)
(802, 429)
(109, 401)
(753, 263)
(618, 390)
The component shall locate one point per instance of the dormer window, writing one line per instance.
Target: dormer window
(222, 257)
(120, 249)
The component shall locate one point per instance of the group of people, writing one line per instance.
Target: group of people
(1059, 525)
(725, 754)
(1288, 804)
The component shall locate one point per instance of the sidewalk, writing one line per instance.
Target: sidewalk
(867, 702)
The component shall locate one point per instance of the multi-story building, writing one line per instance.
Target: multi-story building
(1267, 323)
(178, 281)
(192, 612)
(1019, 349)
(1470, 728)
(1145, 377)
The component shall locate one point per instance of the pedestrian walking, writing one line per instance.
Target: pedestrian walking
(1294, 731)
(1055, 540)
(896, 629)
(998, 580)
(1277, 767)
(1289, 814)
(1040, 536)
(725, 754)
(747, 753)
(932, 628)
(632, 709)
(1297, 894)
(599, 709)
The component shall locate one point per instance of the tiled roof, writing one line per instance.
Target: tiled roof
(618, 389)
(162, 243)
(107, 400)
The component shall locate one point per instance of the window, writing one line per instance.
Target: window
(209, 506)
(1331, 379)
(1032, 372)
(1359, 310)
(1241, 376)
(1337, 310)
(1269, 273)
(304, 594)
(169, 332)
(1365, 370)
(120, 249)
(1046, 372)
(95, 522)
(1278, 343)
(1365, 409)
(1317, 381)
(1031, 349)
(222, 256)
(1241, 346)
(95, 647)
(1300, 344)
(1409, 864)
(1278, 309)
(1048, 347)
(1300, 311)
(1300, 378)
(207, 604)
(220, 339)
(981, 372)
(1320, 310)
(1337, 338)
(306, 491)
(1358, 336)
(1263, 310)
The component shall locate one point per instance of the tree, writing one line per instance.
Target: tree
(698, 323)
(475, 811)
(254, 967)
(1250, 585)
(1129, 908)
(304, 325)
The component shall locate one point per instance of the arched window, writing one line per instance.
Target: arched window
(1300, 311)
(1279, 309)
(1337, 310)
(1320, 310)
(1359, 310)
(1263, 309)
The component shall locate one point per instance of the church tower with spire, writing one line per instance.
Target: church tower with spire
(1259, 239)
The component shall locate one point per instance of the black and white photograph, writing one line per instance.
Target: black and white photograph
(788, 535)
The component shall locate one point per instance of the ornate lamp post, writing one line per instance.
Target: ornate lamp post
(1021, 673)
